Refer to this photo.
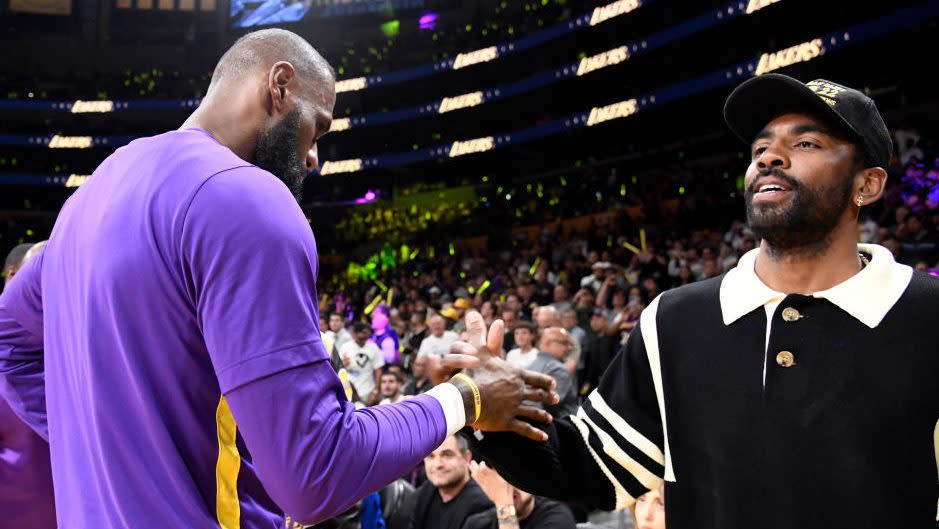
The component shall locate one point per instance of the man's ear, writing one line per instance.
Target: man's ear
(870, 185)
(280, 79)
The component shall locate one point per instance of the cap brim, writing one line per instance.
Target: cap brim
(756, 102)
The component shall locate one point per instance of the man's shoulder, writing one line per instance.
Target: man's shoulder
(694, 296)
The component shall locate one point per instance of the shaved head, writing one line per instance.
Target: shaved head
(261, 49)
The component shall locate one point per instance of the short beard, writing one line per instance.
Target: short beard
(276, 153)
(807, 225)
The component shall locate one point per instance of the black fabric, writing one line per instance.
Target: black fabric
(842, 438)
(547, 514)
(432, 513)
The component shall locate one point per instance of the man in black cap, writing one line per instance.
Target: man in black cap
(798, 390)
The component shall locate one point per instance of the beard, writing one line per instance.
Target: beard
(276, 153)
(806, 223)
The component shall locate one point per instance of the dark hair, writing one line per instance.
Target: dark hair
(359, 327)
(334, 313)
(381, 307)
(527, 325)
(462, 443)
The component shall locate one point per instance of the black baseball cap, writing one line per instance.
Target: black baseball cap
(758, 101)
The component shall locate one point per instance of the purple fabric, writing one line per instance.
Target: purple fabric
(176, 274)
(25, 475)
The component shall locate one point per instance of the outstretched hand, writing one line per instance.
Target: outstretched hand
(503, 388)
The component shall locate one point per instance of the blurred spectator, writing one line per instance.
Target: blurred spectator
(598, 351)
(384, 336)
(337, 333)
(440, 339)
(917, 243)
(363, 361)
(417, 331)
(554, 346)
(449, 496)
(420, 382)
(649, 510)
(514, 507)
(390, 387)
(525, 352)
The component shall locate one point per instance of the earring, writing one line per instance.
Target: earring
(860, 200)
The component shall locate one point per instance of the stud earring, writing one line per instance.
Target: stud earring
(860, 200)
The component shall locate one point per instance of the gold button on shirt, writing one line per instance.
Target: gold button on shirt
(785, 359)
(790, 314)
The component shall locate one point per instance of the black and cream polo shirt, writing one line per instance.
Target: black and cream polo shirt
(760, 409)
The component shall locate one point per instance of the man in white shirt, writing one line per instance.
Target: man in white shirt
(391, 387)
(363, 361)
(337, 331)
(525, 352)
(440, 339)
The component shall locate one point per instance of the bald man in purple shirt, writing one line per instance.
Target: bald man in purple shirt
(166, 340)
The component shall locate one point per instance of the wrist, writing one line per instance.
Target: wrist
(466, 393)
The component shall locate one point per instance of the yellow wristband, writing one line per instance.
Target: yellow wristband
(477, 400)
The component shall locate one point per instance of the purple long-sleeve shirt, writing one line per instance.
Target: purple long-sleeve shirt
(25, 475)
(183, 381)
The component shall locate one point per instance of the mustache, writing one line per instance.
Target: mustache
(778, 173)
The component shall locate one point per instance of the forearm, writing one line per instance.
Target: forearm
(316, 454)
(562, 468)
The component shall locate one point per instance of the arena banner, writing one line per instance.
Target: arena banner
(42, 7)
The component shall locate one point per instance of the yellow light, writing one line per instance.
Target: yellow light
(80, 106)
(350, 85)
(614, 111)
(70, 142)
(602, 60)
(799, 53)
(621, 7)
(342, 166)
(340, 125)
(756, 5)
(75, 180)
(475, 57)
(459, 148)
(462, 101)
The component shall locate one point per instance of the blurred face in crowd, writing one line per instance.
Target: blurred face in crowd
(416, 321)
(560, 294)
(816, 172)
(335, 322)
(379, 320)
(390, 386)
(323, 325)
(588, 299)
(569, 319)
(448, 466)
(619, 299)
(523, 337)
(486, 311)
(556, 342)
(710, 268)
(547, 317)
(598, 323)
(508, 317)
(437, 326)
(419, 367)
(512, 303)
(362, 336)
(650, 510)
(650, 285)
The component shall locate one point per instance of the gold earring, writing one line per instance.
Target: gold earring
(860, 200)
